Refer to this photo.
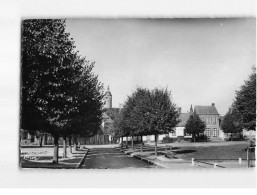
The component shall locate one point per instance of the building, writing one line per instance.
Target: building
(210, 116)
(180, 127)
(108, 99)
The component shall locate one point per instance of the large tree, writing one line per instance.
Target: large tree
(47, 75)
(57, 83)
(119, 127)
(195, 126)
(231, 123)
(245, 102)
(150, 113)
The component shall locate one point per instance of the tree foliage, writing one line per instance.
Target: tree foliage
(245, 102)
(47, 74)
(230, 123)
(149, 112)
(195, 126)
(59, 92)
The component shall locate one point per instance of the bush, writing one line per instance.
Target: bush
(168, 139)
(201, 138)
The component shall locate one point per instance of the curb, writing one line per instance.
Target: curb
(82, 160)
(143, 159)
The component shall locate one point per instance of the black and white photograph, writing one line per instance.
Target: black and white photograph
(138, 93)
(108, 94)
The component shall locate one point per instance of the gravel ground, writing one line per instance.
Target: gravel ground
(42, 157)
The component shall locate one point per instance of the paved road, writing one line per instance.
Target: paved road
(110, 158)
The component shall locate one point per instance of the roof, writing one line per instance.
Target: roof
(107, 124)
(205, 110)
(106, 118)
(183, 117)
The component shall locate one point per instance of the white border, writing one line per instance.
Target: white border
(11, 14)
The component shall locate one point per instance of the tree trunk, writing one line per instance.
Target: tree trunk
(70, 146)
(41, 141)
(156, 137)
(56, 149)
(64, 147)
(45, 139)
(75, 143)
(194, 137)
(142, 143)
(78, 143)
(132, 142)
(126, 142)
(121, 144)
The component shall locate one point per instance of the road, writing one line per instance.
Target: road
(110, 158)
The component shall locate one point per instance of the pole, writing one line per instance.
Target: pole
(247, 157)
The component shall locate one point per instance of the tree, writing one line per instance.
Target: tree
(231, 123)
(245, 102)
(195, 126)
(58, 88)
(118, 127)
(86, 118)
(47, 75)
(150, 113)
(113, 113)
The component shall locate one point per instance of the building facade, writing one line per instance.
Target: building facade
(210, 116)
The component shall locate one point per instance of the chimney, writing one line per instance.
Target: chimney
(191, 109)
(179, 110)
(213, 104)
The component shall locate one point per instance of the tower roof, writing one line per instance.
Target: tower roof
(108, 91)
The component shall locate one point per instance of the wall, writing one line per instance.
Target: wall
(212, 122)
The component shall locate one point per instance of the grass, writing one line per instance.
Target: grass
(213, 152)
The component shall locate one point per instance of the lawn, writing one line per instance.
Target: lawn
(213, 152)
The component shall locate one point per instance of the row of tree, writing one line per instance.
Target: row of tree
(60, 94)
(242, 113)
(147, 112)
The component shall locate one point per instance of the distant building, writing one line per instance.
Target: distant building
(104, 135)
(210, 116)
(108, 99)
(180, 127)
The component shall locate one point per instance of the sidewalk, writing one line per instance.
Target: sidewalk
(148, 155)
(160, 161)
(43, 158)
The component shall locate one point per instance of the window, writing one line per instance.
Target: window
(208, 132)
(214, 132)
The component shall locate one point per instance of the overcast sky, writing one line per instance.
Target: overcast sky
(202, 61)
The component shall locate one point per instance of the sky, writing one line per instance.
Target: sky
(201, 61)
